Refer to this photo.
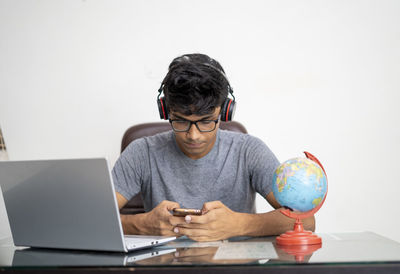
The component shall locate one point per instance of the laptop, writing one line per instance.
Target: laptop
(66, 204)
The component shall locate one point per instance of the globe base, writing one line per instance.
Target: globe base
(298, 236)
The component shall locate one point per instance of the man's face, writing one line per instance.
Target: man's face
(193, 143)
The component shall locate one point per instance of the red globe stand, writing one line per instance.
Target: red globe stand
(298, 236)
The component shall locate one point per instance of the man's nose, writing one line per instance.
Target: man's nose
(193, 132)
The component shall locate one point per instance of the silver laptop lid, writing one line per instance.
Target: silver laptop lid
(67, 204)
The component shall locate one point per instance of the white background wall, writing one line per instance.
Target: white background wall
(321, 76)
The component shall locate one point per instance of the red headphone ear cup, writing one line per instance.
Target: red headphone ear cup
(227, 110)
(162, 108)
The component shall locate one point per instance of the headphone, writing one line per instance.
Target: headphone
(227, 108)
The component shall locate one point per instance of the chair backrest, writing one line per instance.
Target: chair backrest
(135, 205)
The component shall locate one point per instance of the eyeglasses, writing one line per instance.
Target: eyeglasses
(202, 125)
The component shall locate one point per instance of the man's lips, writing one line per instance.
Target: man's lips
(194, 145)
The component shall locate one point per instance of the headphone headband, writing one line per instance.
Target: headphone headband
(227, 108)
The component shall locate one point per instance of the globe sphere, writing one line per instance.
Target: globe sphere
(299, 184)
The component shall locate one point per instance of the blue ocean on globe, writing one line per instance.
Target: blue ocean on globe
(299, 184)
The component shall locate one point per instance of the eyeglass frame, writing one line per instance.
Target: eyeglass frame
(195, 123)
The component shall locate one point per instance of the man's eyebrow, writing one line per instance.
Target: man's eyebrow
(204, 118)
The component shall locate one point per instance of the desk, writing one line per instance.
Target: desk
(361, 252)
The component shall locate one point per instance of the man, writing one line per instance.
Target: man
(197, 165)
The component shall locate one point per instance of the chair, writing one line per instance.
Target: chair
(135, 205)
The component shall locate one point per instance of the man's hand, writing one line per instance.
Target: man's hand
(154, 222)
(218, 222)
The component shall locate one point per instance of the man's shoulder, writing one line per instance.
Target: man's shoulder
(228, 134)
(238, 137)
(158, 139)
(152, 142)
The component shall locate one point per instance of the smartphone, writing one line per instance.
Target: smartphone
(181, 212)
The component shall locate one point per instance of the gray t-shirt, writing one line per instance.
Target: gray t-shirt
(237, 166)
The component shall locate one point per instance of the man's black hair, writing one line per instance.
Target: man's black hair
(195, 84)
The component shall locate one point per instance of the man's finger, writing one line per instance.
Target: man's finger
(211, 205)
(189, 219)
(169, 205)
(193, 226)
(190, 231)
(174, 220)
(193, 219)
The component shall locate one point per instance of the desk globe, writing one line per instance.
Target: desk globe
(300, 185)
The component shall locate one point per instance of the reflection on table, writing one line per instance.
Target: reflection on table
(364, 247)
(62, 258)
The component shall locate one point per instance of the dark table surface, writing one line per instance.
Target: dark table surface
(356, 252)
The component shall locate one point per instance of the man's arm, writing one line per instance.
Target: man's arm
(130, 223)
(273, 222)
(155, 222)
(219, 222)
